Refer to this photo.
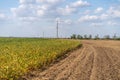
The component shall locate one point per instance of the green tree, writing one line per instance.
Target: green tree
(85, 36)
(90, 36)
(114, 37)
(96, 37)
(106, 37)
(79, 37)
(73, 36)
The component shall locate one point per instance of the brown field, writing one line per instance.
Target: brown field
(96, 60)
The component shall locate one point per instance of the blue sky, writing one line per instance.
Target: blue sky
(30, 18)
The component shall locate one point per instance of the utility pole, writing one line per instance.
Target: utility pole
(57, 29)
(43, 34)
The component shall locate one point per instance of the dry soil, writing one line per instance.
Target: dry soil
(96, 60)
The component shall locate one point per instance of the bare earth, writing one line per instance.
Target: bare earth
(96, 60)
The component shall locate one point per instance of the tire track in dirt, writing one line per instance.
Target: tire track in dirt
(96, 60)
(82, 59)
(58, 68)
(103, 68)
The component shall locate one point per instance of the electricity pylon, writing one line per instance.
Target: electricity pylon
(57, 28)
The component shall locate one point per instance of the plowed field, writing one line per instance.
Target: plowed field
(96, 60)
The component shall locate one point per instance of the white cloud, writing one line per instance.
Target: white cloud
(88, 18)
(99, 10)
(2, 16)
(68, 21)
(24, 10)
(28, 19)
(40, 13)
(65, 21)
(28, 9)
(36, 8)
(26, 1)
(111, 23)
(104, 16)
(80, 3)
(117, 13)
(43, 7)
(96, 24)
(110, 14)
(99, 18)
(72, 7)
(114, 12)
(49, 1)
(66, 11)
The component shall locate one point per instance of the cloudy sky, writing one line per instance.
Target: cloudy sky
(32, 18)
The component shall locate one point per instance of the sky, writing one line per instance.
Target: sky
(37, 18)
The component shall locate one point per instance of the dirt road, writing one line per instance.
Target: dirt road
(96, 60)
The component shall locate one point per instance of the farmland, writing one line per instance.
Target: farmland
(21, 55)
(95, 60)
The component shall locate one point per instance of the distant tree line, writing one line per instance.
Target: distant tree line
(96, 37)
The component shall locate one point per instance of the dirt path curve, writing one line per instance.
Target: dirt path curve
(96, 60)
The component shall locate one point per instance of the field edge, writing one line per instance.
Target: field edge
(64, 55)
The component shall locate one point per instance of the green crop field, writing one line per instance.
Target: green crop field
(19, 55)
